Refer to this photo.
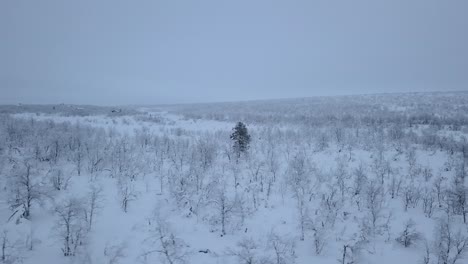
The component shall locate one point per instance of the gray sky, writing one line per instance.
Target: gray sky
(148, 52)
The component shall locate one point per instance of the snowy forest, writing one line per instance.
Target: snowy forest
(340, 179)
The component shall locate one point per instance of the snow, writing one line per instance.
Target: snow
(114, 228)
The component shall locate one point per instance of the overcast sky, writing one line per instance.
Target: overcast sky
(149, 52)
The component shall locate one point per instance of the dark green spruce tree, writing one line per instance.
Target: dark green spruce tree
(241, 139)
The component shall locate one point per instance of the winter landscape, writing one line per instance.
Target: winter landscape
(350, 179)
(233, 132)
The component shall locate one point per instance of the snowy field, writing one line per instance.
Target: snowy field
(355, 179)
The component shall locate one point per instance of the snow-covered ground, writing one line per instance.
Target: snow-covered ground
(170, 189)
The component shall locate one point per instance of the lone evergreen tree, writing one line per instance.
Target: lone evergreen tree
(241, 138)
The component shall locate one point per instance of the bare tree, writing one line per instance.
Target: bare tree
(458, 195)
(299, 179)
(6, 246)
(409, 236)
(79, 155)
(25, 187)
(322, 141)
(411, 195)
(272, 167)
(342, 176)
(374, 201)
(114, 253)
(395, 185)
(411, 158)
(170, 248)
(4, 241)
(359, 179)
(320, 237)
(246, 251)
(439, 187)
(59, 179)
(94, 203)
(225, 207)
(427, 253)
(127, 192)
(428, 199)
(71, 225)
(450, 246)
(284, 249)
(347, 254)
(10, 251)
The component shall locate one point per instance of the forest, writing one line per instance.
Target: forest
(340, 179)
